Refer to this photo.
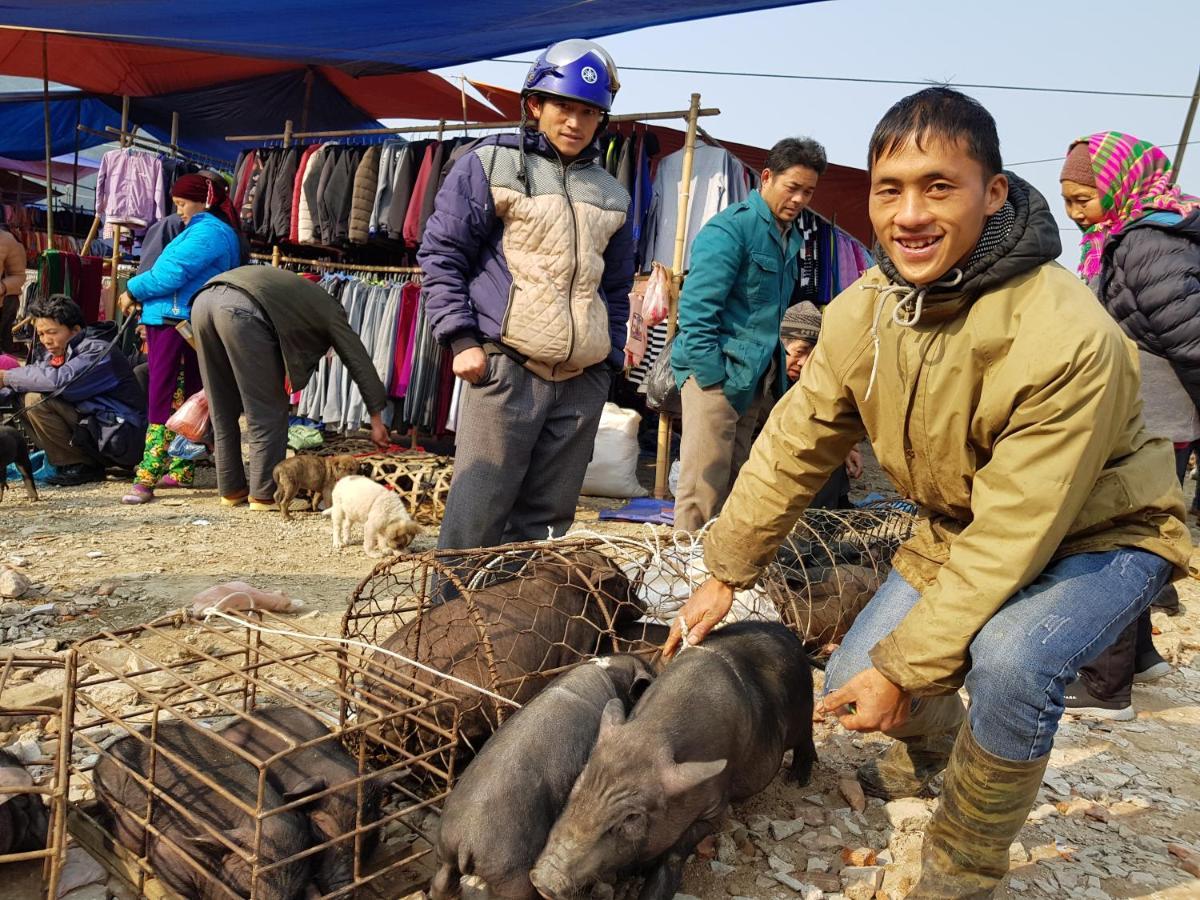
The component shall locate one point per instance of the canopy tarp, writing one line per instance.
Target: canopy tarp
(410, 36)
(64, 172)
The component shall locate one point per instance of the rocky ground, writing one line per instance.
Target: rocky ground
(1118, 816)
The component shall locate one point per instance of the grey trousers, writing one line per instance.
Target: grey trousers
(713, 447)
(242, 367)
(522, 449)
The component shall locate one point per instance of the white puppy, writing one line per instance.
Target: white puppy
(386, 523)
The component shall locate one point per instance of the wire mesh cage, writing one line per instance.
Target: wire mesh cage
(33, 784)
(224, 758)
(830, 566)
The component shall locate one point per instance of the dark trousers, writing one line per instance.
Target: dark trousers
(242, 367)
(166, 354)
(8, 318)
(522, 448)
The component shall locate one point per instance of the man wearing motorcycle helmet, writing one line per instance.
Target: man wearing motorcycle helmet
(528, 260)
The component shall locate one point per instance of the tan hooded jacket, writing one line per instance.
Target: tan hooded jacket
(1008, 410)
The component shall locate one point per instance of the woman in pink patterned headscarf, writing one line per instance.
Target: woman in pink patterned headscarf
(1140, 253)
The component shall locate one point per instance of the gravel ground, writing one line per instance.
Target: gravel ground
(1119, 813)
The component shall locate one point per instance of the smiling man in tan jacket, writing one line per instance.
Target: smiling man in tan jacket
(1000, 397)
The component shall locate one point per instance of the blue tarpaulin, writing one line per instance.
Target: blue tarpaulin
(414, 36)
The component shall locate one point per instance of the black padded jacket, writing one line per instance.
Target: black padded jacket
(1150, 283)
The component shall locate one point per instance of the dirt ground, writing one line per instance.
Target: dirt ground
(1118, 816)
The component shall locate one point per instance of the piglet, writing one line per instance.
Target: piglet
(711, 730)
(13, 449)
(324, 770)
(23, 819)
(522, 778)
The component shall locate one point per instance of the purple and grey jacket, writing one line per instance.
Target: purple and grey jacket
(542, 266)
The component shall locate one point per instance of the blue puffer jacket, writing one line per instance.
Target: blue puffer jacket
(532, 254)
(204, 249)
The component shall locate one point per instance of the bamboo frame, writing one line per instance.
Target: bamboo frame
(443, 125)
(1187, 130)
(46, 123)
(662, 461)
(277, 259)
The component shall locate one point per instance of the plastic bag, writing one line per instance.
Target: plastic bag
(182, 448)
(635, 333)
(191, 419)
(656, 302)
(661, 392)
(613, 469)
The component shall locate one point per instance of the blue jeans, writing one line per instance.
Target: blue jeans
(1029, 651)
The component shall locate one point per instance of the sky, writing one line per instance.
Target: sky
(1018, 42)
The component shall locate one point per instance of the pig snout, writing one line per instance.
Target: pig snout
(551, 881)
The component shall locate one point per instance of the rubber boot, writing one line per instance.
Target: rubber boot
(985, 801)
(919, 752)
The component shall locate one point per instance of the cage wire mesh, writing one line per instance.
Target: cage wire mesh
(33, 784)
(224, 758)
(493, 626)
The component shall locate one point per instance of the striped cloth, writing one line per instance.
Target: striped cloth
(1133, 178)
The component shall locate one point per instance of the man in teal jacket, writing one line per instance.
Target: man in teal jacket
(727, 356)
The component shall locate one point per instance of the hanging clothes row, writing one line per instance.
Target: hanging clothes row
(629, 159)
(338, 195)
(28, 225)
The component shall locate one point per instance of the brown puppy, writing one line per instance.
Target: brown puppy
(14, 450)
(315, 474)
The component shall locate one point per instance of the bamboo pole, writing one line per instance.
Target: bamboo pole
(277, 260)
(662, 466)
(174, 135)
(1187, 129)
(110, 307)
(479, 126)
(49, 151)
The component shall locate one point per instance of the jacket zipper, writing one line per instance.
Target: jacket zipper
(574, 262)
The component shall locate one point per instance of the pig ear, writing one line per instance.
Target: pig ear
(612, 717)
(205, 844)
(682, 777)
(641, 680)
(305, 788)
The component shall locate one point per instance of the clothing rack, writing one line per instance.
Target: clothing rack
(277, 260)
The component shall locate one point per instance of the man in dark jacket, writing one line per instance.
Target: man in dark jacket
(528, 261)
(82, 401)
(256, 326)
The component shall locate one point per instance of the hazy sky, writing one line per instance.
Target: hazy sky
(1018, 42)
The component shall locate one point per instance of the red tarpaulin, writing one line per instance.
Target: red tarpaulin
(112, 67)
(59, 171)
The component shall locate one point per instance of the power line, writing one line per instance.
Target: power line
(1060, 158)
(847, 79)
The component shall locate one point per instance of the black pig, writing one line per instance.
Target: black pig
(711, 730)
(13, 449)
(189, 858)
(23, 819)
(270, 731)
(523, 776)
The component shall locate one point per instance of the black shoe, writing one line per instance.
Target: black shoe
(1167, 601)
(1078, 701)
(81, 473)
(1150, 666)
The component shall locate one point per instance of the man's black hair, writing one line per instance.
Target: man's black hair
(797, 152)
(59, 307)
(938, 113)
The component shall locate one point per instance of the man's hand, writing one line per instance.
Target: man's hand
(854, 463)
(126, 304)
(702, 613)
(470, 365)
(868, 702)
(379, 432)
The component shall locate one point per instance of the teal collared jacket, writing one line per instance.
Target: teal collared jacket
(741, 281)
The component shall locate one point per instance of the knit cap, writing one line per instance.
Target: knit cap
(801, 322)
(1077, 166)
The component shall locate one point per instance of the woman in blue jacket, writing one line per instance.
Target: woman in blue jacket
(207, 246)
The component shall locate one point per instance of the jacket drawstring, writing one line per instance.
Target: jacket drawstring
(906, 314)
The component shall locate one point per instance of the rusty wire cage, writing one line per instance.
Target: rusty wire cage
(187, 774)
(33, 783)
(831, 565)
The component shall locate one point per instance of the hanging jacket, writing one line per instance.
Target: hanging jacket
(402, 189)
(1008, 410)
(389, 158)
(546, 273)
(310, 213)
(1150, 283)
(298, 193)
(157, 237)
(129, 188)
(733, 300)
(366, 178)
(206, 247)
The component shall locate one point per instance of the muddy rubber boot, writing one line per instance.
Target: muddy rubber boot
(985, 801)
(919, 752)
